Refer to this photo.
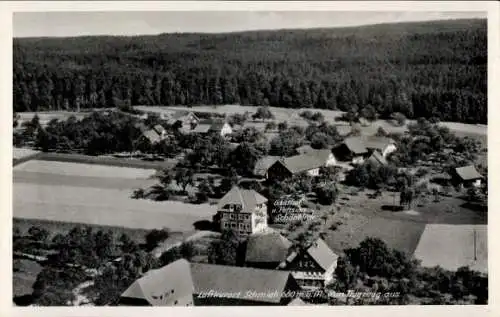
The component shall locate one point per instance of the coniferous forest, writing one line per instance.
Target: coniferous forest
(425, 69)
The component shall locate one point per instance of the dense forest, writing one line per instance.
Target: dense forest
(425, 69)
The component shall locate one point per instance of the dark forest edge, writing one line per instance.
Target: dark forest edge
(426, 69)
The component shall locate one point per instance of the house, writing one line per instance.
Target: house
(160, 130)
(263, 164)
(290, 166)
(379, 143)
(266, 250)
(313, 267)
(377, 159)
(352, 149)
(467, 176)
(220, 127)
(200, 128)
(171, 285)
(218, 285)
(243, 210)
(150, 136)
(324, 155)
(183, 119)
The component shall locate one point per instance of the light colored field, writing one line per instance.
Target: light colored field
(19, 153)
(104, 207)
(452, 246)
(87, 170)
(81, 181)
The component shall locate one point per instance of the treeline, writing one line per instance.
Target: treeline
(429, 69)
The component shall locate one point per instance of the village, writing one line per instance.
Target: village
(280, 204)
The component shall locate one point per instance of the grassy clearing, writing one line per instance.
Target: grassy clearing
(81, 181)
(104, 207)
(458, 241)
(359, 217)
(354, 228)
(87, 170)
(106, 160)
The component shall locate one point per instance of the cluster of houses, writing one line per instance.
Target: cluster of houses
(275, 272)
(353, 150)
(185, 122)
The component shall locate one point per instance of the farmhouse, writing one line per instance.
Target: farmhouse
(219, 127)
(150, 136)
(266, 250)
(201, 128)
(325, 156)
(183, 119)
(231, 285)
(377, 159)
(314, 267)
(352, 149)
(171, 285)
(222, 128)
(243, 210)
(378, 143)
(290, 166)
(467, 176)
(160, 130)
(263, 164)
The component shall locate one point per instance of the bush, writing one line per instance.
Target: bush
(155, 237)
(399, 118)
(38, 234)
(138, 194)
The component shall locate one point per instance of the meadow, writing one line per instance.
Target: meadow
(90, 198)
(458, 241)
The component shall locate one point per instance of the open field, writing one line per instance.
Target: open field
(398, 234)
(106, 160)
(87, 170)
(104, 207)
(82, 175)
(460, 244)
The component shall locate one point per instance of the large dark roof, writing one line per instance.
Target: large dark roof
(235, 281)
(302, 163)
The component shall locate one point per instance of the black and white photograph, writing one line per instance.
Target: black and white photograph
(249, 158)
